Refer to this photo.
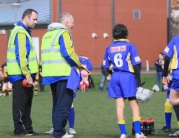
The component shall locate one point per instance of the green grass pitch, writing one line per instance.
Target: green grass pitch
(95, 113)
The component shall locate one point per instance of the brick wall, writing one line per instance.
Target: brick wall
(148, 33)
(90, 16)
(55, 9)
(3, 47)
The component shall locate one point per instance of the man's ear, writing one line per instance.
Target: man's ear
(26, 17)
(67, 22)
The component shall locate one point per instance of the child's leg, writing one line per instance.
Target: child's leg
(9, 89)
(174, 97)
(120, 115)
(176, 133)
(86, 85)
(71, 117)
(136, 115)
(83, 88)
(4, 87)
(176, 109)
(168, 113)
(71, 120)
(103, 79)
(36, 90)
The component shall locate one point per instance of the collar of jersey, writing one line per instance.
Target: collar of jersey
(121, 40)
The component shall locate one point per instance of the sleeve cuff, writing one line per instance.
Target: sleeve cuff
(28, 75)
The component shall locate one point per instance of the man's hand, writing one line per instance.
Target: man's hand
(29, 80)
(85, 68)
(166, 81)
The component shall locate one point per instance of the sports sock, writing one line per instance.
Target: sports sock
(71, 118)
(136, 121)
(3, 92)
(10, 92)
(35, 91)
(168, 114)
(122, 127)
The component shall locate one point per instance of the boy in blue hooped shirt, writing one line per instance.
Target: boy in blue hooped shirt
(126, 70)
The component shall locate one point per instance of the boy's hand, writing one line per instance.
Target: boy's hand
(166, 81)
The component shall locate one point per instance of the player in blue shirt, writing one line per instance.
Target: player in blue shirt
(172, 53)
(168, 107)
(126, 70)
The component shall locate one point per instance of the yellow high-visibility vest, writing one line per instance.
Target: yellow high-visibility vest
(53, 63)
(13, 67)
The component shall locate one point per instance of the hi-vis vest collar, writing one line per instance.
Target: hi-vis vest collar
(10, 49)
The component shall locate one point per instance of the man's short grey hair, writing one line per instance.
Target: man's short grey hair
(64, 16)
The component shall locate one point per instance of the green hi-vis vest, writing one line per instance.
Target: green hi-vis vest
(13, 67)
(53, 64)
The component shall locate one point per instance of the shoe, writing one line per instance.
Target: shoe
(23, 135)
(175, 134)
(67, 136)
(100, 89)
(49, 132)
(165, 129)
(140, 135)
(72, 131)
(2, 95)
(124, 136)
(33, 133)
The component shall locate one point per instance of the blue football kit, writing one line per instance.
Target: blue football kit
(123, 56)
(172, 51)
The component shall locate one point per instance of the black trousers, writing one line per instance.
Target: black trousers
(62, 101)
(21, 108)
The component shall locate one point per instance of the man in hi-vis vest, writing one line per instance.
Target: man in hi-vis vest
(22, 64)
(58, 56)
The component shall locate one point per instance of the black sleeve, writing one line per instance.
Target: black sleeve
(137, 74)
(166, 65)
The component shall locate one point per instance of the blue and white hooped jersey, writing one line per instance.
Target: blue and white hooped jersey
(172, 51)
(123, 55)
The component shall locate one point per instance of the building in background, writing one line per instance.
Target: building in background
(94, 20)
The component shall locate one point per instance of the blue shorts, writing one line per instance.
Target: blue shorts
(175, 84)
(122, 85)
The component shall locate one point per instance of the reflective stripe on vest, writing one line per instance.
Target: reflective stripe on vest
(57, 66)
(12, 64)
(14, 60)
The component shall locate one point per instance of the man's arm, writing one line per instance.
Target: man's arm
(67, 50)
(21, 53)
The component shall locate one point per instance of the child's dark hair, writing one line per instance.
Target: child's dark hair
(120, 31)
